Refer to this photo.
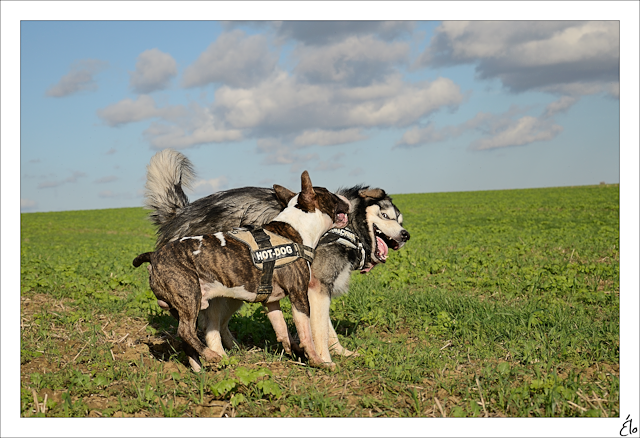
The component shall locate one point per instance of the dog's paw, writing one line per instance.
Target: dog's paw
(211, 356)
(349, 353)
(196, 366)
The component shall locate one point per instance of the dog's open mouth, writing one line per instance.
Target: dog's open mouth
(381, 250)
(341, 220)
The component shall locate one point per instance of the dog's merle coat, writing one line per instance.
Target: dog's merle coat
(373, 217)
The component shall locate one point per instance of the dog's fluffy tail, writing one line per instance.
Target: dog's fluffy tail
(142, 258)
(167, 173)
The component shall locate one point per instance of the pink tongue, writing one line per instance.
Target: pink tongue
(342, 218)
(383, 249)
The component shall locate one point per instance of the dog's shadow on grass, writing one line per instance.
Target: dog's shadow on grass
(250, 331)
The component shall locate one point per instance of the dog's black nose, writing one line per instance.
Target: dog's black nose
(405, 235)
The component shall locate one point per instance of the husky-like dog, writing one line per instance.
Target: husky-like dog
(375, 225)
(256, 265)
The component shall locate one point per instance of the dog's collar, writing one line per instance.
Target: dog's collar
(348, 238)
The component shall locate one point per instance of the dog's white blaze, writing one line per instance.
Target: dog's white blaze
(400, 219)
(220, 237)
(192, 237)
(311, 226)
(217, 289)
(196, 252)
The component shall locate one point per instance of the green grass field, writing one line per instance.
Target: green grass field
(503, 303)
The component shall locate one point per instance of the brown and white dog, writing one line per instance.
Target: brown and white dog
(188, 275)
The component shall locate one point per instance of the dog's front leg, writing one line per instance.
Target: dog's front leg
(300, 310)
(280, 327)
(320, 304)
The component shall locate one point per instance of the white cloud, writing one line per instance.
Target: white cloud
(162, 136)
(144, 107)
(210, 185)
(497, 131)
(559, 106)
(528, 55)
(323, 137)
(72, 179)
(523, 131)
(80, 78)
(234, 59)
(27, 204)
(325, 32)
(284, 105)
(154, 71)
(353, 61)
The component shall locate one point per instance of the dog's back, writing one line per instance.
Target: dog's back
(169, 171)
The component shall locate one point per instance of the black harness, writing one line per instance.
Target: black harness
(348, 238)
(268, 257)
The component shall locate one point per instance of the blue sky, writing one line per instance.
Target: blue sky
(409, 106)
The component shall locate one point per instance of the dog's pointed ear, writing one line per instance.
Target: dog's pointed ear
(283, 195)
(307, 195)
(372, 193)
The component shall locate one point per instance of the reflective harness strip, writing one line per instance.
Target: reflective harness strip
(348, 238)
(268, 257)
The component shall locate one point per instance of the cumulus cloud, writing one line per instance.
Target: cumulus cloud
(234, 59)
(559, 106)
(72, 179)
(198, 126)
(211, 185)
(162, 136)
(79, 78)
(497, 130)
(285, 105)
(323, 137)
(144, 107)
(528, 55)
(355, 61)
(523, 131)
(323, 32)
(154, 71)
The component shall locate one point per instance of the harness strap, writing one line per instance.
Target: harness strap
(266, 282)
(348, 238)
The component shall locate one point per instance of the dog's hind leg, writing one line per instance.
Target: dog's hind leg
(334, 342)
(215, 319)
(231, 306)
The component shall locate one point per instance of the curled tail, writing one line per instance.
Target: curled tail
(142, 258)
(167, 173)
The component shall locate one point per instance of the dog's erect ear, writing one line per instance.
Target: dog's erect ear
(307, 195)
(283, 194)
(372, 193)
